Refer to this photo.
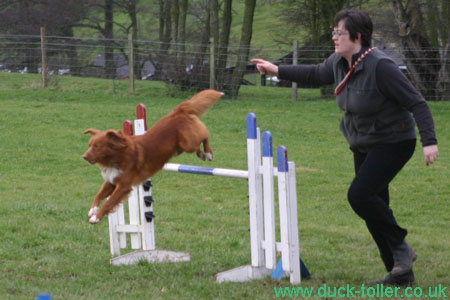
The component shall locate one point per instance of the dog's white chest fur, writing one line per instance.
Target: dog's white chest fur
(110, 174)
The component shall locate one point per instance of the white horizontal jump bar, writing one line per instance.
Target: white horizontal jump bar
(206, 171)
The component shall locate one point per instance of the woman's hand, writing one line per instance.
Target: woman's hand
(265, 67)
(431, 153)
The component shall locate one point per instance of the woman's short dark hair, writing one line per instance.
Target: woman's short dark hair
(356, 21)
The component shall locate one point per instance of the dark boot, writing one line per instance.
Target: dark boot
(404, 280)
(412, 252)
(403, 259)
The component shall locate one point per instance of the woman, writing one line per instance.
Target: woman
(381, 108)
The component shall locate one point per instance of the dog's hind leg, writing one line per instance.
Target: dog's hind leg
(193, 144)
(120, 192)
(207, 154)
(192, 136)
(106, 190)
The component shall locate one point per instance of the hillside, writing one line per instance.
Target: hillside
(265, 28)
(269, 29)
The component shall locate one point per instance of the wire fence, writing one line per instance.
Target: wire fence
(194, 66)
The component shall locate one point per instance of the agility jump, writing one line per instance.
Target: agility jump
(260, 175)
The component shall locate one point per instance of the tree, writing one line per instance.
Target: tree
(244, 47)
(214, 35)
(104, 26)
(130, 7)
(25, 17)
(178, 16)
(222, 51)
(165, 31)
(314, 18)
(182, 32)
(108, 51)
(199, 75)
(423, 27)
(132, 13)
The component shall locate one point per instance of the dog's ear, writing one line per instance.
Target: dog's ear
(116, 140)
(91, 131)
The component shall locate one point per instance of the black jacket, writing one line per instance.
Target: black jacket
(379, 102)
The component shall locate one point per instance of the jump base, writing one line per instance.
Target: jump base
(243, 274)
(151, 256)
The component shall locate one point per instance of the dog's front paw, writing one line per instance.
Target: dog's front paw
(94, 219)
(93, 211)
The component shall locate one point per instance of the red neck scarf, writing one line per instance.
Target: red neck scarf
(341, 85)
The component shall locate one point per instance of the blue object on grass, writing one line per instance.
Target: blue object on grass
(278, 273)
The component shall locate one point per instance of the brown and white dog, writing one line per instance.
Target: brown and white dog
(130, 160)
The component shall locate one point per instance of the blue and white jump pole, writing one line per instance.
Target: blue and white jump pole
(260, 175)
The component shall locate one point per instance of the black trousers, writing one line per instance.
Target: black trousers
(368, 194)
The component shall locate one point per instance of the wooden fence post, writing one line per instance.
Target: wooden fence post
(294, 62)
(44, 67)
(131, 61)
(212, 65)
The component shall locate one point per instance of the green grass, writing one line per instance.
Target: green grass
(46, 190)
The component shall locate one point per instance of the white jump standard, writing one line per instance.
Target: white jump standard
(262, 211)
(260, 176)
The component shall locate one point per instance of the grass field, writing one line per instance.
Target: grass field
(46, 189)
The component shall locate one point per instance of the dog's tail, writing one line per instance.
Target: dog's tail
(200, 102)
